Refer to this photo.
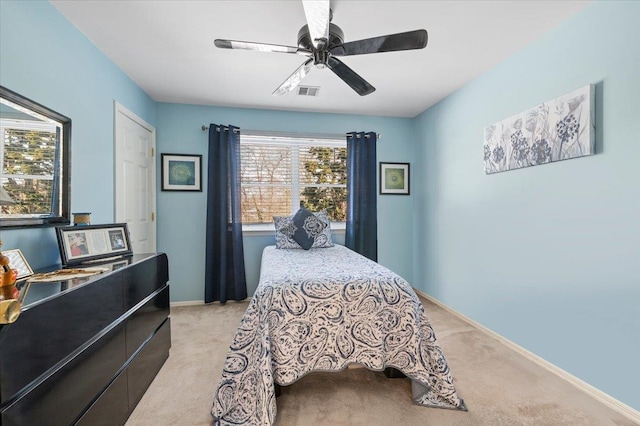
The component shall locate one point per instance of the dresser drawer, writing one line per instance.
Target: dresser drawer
(148, 362)
(146, 320)
(60, 398)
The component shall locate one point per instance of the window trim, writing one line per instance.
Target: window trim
(64, 218)
(268, 230)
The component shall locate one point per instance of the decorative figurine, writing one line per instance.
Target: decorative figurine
(10, 302)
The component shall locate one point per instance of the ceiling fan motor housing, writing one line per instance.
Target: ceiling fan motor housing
(336, 37)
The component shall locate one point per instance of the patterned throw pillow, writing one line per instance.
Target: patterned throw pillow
(316, 227)
(322, 238)
(307, 225)
(284, 233)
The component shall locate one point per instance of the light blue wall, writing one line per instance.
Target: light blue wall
(46, 59)
(181, 215)
(547, 256)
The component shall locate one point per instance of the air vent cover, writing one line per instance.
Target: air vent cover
(308, 91)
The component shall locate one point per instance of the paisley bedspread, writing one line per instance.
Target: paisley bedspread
(321, 310)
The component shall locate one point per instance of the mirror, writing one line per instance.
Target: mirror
(34, 163)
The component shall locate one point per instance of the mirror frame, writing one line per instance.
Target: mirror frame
(65, 144)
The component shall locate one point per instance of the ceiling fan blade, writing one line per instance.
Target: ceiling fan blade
(261, 47)
(294, 79)
(349, 76)
(318, 17)
(390, 43)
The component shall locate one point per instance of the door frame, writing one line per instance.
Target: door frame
(120, 112)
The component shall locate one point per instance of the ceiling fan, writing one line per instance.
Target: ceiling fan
(323, 41)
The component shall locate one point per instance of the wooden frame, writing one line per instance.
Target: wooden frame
(181, 172)
(394, 178)
(18, 262)
(80, 244)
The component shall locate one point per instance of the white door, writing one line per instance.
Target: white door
(135, 178)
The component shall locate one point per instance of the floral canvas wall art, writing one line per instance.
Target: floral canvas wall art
(559, 129)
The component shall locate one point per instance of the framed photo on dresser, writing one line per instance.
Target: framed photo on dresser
(18, 262)
(81, 244)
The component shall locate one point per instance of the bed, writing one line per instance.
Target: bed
(321, 310)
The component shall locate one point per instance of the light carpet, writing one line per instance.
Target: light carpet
(499, 386)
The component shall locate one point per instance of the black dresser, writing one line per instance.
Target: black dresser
(84, 351)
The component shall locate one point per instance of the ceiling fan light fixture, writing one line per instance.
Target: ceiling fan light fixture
(320, 58)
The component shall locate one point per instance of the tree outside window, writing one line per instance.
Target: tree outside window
(280, 174)
(35, 165)
(28, 167)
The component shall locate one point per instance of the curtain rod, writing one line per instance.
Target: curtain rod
(267, 133)
(205, 128)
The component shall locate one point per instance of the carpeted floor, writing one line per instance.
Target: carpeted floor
(499, 386)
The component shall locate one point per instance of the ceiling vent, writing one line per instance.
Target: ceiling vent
(308, 91)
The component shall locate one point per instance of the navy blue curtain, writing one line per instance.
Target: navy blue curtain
(361, 234)
(225, 277)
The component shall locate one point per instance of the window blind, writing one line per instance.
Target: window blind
(281, 173)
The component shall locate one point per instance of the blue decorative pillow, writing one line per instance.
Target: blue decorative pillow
(307, 226)
(316, 228)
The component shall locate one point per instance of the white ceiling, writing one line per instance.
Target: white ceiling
(166, 48)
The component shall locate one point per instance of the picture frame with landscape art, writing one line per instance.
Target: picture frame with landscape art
(394, 178)
(181, 172)
(81, 244)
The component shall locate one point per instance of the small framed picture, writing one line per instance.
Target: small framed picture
(19, 263)
(79, 244)
(181, 172)
(394, 178)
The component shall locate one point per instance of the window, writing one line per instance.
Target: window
(34, 165)
(280, 173)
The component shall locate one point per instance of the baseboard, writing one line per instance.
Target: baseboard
(594, 392)
(198, 302)
(187, 303)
